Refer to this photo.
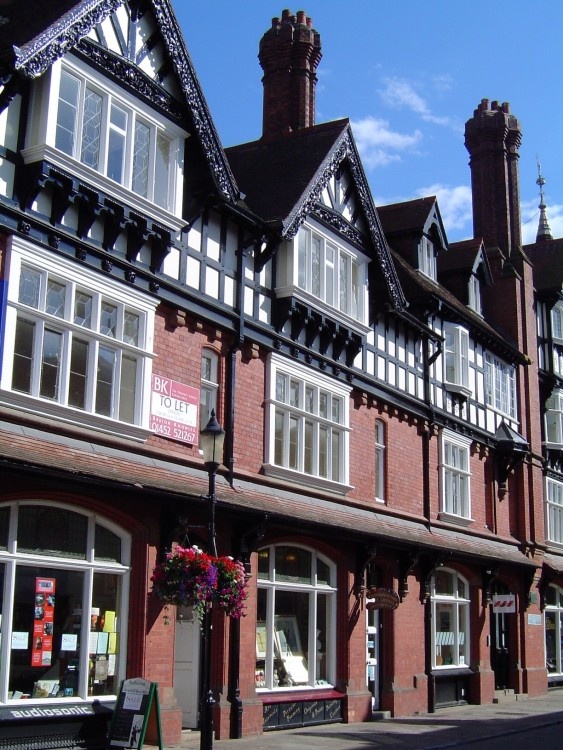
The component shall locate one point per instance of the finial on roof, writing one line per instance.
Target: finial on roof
(544, 230)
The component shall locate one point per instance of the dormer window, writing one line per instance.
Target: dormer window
(474, 294)
(427, 258)
(325, 272)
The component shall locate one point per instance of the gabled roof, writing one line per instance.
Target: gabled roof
(413, 217)
(34, 34)
(461, 261)
(282, 181)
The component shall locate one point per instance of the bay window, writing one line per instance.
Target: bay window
(74, 341)
(450, 618)
(554, 418)
(296, 616)
(456, 370)
(63, 586)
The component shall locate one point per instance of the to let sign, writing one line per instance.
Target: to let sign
(504, 603)
(174, 410)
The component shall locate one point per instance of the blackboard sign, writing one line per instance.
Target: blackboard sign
(136, 700)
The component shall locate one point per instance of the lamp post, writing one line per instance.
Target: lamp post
(212, 438)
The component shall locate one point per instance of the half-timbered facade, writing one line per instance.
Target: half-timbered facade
(391, 476)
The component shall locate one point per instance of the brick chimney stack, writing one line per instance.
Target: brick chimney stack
(493, 137)
(289, 54)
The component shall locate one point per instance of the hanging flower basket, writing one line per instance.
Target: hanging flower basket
(189, 577)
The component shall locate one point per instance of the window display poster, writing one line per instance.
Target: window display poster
(43, 622)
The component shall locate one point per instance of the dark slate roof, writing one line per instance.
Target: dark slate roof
(547, 260)
(274, 175)
(408, 216)
(420, 290)
(461, 256)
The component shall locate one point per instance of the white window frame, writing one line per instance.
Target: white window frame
(298, 422)
(380, 460)
(77, 278)
(272, 585)
(427, 258)
(500, 385)
(553, 613)
(554, 510)
(557, 322)
(456, 359)
(475, 300)
(209, 386)
(460, 607)
(554, 419)
(455, 476)
(310, 270)
(12, 558)
(42, 132)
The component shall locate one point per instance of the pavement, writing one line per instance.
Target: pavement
(447, 728)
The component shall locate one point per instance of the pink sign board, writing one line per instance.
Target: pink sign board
(174, 410)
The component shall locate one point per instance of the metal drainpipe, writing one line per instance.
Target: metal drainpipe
(233, 687)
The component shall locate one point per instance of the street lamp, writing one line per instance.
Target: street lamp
(212, 438)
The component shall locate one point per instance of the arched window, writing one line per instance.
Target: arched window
(553, 630)
(380, 458)
(64, 577)
(450, 616)
(295, 628)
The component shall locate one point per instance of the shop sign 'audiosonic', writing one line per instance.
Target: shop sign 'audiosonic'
(377, 598)
(174, 410)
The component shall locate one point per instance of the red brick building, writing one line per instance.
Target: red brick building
(392, 402)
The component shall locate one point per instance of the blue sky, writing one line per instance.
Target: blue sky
(408, 74)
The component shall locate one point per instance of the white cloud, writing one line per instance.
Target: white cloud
(378, 144)
(455, 207)
(401, 94)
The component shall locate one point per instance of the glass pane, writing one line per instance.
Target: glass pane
(316, 266)
(23, 352)
(445, 634)
(50, 360)
(91, 129)
(281, 388)
(343, 283)
(295, 393)
(329, 276)
(141, 154)
(293, 462)
(551, 641)
(308, 451)
(131, 328)
(107, 545)
(263, 658)
(291, 638)
(65, 135)
(323, 404)
(323, 572)
(28, 293)
(310, 399)
(444, 583)
(108, 319)
(161, 171)
(293, 564)
(4, 529)
(462, 658)
(279, 438)
(55, 302)
(322, 633)
(323, 452)
(127, 389)
(335, 457)
(104, 381)
(264, 564)
(78, 376)
(104, 642)
(47, 531)
(116, 144)
(337, 410)
(302, 259)
(47, 617)
(83, 309)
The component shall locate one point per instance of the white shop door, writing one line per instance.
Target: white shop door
(186, 666)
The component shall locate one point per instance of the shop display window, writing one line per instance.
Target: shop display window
(295, 639)
(62, 577)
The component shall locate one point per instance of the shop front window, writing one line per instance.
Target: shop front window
(62, 578)
(450, 615)
(553, 630)
(295, 638)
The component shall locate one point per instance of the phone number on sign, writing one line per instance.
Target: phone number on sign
(172, 431)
